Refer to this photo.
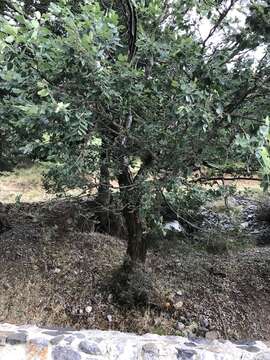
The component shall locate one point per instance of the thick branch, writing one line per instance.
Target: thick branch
(205, 179)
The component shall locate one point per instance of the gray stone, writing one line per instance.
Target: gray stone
(201, 331)
(69, 339)
(65, 353)
(249, 348)
(190, 344)
(263, 356)
(204, 323)
(40, 342)
(180, 326)
(16, 338)
(3, 337)
(150, 352)
(183, 354)
(2, 340)
(173, 226)
(89, 347)
(244, 342)
(56, 340)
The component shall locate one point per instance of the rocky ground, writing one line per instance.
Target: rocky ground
(55, 271)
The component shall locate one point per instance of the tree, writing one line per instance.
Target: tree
(132, 93)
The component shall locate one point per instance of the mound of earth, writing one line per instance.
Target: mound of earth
(55, 271)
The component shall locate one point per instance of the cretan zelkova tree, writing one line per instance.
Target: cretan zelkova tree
(131, 92)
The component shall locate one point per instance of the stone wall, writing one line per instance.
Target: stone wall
(33, 343)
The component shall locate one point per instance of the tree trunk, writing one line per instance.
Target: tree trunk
(136, 249)
(4, 224)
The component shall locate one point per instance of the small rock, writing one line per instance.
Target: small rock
(183, 319)
(2, 340)
(204, 323)
(245, 342)
(40, 342)
(89, 347)
(109, 318)
(16, 338)
(180, 326)
(88, 309)
(202, 331)
(65, 353)
(178, 305)
(57, 270)
(190, 344)
(188, 315)
(150, 352)
(250, 348)
(69, 339)
(157, 321)
(174, 226)
(179, 293)
(184, 354)
(192, 328)
(56, 340)
(245, 225)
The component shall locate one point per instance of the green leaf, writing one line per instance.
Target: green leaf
(9, 29)
(29, 109)
(10, 39)
(43, 92)
(61, 107)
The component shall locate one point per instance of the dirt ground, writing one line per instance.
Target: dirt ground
(55, 271)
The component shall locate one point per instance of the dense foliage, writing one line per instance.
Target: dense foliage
(133, 92)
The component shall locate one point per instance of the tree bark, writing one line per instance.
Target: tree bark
(136, 249)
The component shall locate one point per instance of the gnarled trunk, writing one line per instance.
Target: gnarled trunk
(136, 249)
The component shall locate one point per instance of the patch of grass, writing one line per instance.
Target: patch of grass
(219, 242)
(23, 182)
(159, 330)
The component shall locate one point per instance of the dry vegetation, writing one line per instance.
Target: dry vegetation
(24, 184)
(55, 271)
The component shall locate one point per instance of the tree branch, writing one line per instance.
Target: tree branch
(218, 23)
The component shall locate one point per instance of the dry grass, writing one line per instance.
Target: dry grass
(50, 274)
(24, 184)
(51, 270)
